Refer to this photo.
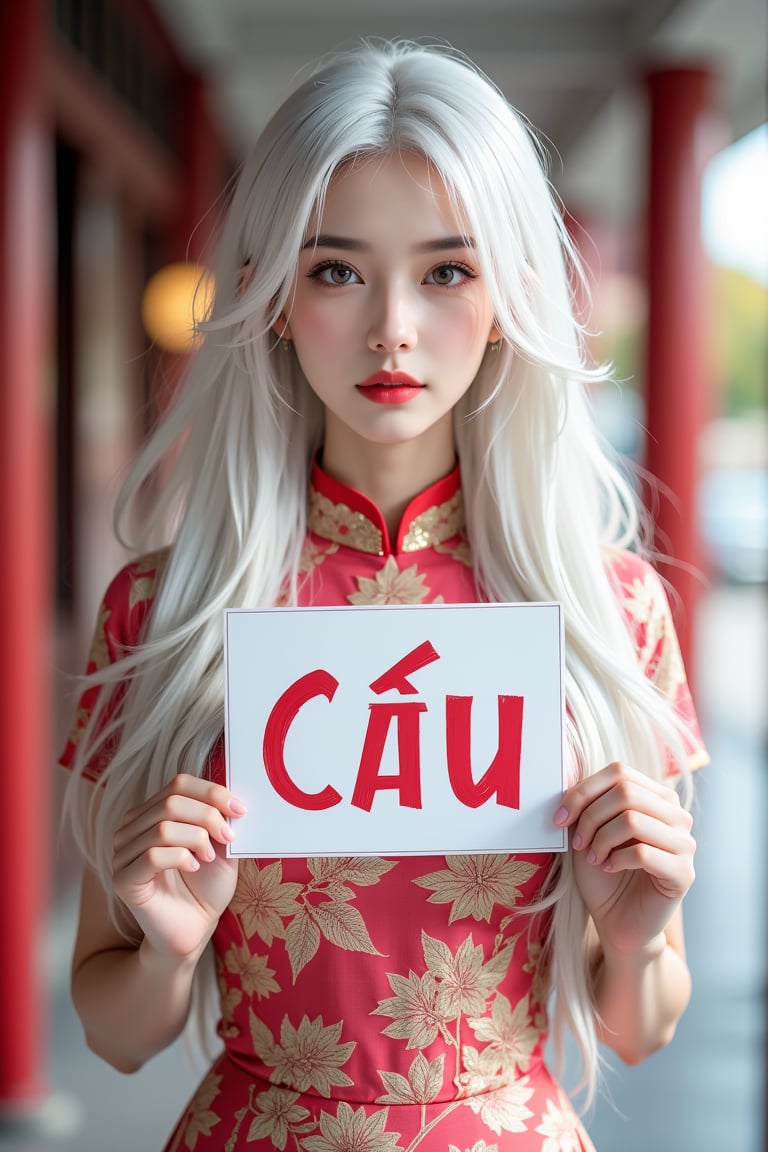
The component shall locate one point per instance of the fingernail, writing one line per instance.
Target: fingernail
(561, 816)
(591, 857)
(577, 841)
(210, 853)
(237, 807)
(226, 833)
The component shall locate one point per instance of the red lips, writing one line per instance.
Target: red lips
(389, 387)
(389, 378)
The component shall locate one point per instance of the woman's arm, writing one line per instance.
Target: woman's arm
(171, 874)
(641, 995)
(132, 1002)
(633, 864)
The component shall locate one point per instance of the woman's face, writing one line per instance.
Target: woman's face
(389, 315)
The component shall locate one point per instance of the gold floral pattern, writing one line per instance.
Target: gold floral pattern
(200, 1118)
(458, 550)
(422, 1085)
(504, 1110)
(263, 901)
(313, 555)
(414, 1007)
(253, 974)
(145, 574)
(351, 1130)
(510, 1033)
(473, 884)
(435, 1004)
(100, 655)
(537, 967)
(649, 617)
(303, 915)
(140, 578)
(481, 1071)
(229, 1000)
(391, 586)
(142, 589)
(659, 654)
(560, 1128)
(478, 1146)
(79, 725)
(277, 1117)
(307, 1058)
(465, 979)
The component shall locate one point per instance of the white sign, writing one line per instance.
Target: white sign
(393, 731)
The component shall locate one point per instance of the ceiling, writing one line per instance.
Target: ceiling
(573, 67)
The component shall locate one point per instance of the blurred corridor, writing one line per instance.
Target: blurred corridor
(120, 124)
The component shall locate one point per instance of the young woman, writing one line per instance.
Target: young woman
(389, 407)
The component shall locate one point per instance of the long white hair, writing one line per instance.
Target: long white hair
(544, 496)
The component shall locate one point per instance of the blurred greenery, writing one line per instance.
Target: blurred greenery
(737, 335)
(740, 341)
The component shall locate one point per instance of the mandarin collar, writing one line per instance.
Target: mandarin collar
(345, 516)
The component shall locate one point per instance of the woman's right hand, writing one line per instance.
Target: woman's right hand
(169, 866)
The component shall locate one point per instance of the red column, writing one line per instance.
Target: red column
(204, 173)
(25, 568)
(204, 167)
(676, 370)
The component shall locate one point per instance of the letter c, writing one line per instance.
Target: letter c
(317, 683)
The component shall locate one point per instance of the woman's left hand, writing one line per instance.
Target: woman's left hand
(633, 853)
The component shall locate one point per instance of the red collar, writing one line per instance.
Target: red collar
(340, 513)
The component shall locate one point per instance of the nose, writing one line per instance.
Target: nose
(393, 321)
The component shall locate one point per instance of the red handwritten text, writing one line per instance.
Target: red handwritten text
(501, 780)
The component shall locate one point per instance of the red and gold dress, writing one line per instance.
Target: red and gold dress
(372, 1004)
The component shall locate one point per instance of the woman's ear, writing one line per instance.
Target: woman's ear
(282, 328)
(245, 278)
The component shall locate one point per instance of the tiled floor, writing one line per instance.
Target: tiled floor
(705, 1093)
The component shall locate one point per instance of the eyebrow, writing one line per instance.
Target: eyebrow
(348, 244)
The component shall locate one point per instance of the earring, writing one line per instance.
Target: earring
(494, 345)
(285, 344)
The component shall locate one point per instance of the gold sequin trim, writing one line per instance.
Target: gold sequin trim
(439, 523)
(339, 523)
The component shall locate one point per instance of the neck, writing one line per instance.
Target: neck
(390, 475)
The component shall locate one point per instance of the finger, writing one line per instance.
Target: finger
(192, 838)
(638, 828)
(671, 874)
(195, 788)
(140, 874)
(206, 791)
(633, 803)
(175, 807)
(591, 788)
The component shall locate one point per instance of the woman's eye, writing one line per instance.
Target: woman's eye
(337, 274)
(448, 275)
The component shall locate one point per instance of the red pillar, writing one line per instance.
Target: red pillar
(25, 569)
(204, 173)
(204, 165)
(676, 370)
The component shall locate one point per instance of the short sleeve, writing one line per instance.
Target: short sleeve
(119, 626)
(649, 617)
